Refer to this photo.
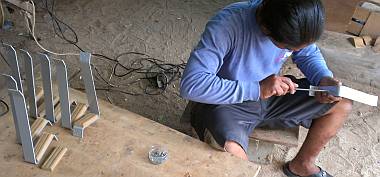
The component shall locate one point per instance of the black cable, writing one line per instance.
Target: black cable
(159, 74)
(5, 105)
(2, 56)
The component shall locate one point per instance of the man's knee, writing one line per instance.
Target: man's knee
(342, 108)
(235, 149)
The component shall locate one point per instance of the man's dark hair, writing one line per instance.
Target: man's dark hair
(292, 22)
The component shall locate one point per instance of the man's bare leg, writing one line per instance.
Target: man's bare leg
(320, 133)
(235, 149)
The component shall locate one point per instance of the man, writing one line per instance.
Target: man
(232, 78)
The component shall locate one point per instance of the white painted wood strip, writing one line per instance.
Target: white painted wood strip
(358, 96)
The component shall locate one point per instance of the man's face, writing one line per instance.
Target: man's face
(284, 46)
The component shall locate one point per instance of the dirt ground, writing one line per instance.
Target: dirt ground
(169, 29)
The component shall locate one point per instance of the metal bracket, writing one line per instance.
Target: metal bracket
(63, 89)
(47, 86)
(29, 75)
(13, 63)
(78, 131)
(86, 72)
(21, 116)
(13, 85)
(332, 90)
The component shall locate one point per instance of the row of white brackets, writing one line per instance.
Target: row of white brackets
(18, 103)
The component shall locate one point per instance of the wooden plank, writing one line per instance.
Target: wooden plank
(79, 110)
(39, 94)
(376, 46)
(260, 152)
(86, 120)
(372, 26)
(287, 137)
(54, 158)
(57, 112)
(358, 42)
(354, 28)
(42, 145)
(38, 125)
(118, 145)
(358, 96)
(41, 108)
(367, 40)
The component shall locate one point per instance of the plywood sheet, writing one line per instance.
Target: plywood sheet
(117, 145)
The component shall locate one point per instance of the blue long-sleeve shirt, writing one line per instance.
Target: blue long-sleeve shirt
(234, 55)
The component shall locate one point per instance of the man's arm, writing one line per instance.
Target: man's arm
(312, 64)
(200, 82)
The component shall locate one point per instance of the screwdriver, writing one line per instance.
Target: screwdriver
(313, 90)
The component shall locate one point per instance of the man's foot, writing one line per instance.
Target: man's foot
(319, 172)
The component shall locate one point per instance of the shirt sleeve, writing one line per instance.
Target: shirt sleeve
(312, 64)
(200, 81)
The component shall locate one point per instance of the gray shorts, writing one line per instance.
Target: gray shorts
(235, 122)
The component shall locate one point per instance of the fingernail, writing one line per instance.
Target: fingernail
(296, 85)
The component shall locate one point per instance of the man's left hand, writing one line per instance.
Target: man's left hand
(324, 97)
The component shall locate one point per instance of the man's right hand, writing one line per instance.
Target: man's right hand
(276, 86)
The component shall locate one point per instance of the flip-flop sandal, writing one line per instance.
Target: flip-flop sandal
(321, 173)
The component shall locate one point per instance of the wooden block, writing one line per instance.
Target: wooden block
(287, 137)
(57, 112)
(376, 49)
(54, 158)
(356, 95)
(41, 109)
(79, 111)
(358, 42)
(86, 120)
(372, 26)
(367, 40)
(42, 145)
(38, 125)
(377, 42)
(260, 152)
(354, 28)
(361, 14)
(39, 94)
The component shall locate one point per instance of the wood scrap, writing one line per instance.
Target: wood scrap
(367, 40)
(57, 112)
(287, 137)
(86, 120)
(358, 42)
(38, 125)
(39, 96)
(79, 110)
(55, 157)
(376, 47)
(42, 145)
(41, 109)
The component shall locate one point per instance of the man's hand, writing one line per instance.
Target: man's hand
(324, 97)
(276, 86)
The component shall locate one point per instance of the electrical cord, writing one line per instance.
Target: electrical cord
(157, 72)
(4, 105)
(31, 24)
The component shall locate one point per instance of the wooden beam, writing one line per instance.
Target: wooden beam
(54, 158)
(287, 137)
(42, 145)
(79, 110)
